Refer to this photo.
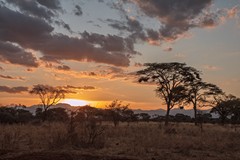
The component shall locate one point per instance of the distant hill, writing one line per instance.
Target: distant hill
(152, 113)
(173, 112)
(33, 108)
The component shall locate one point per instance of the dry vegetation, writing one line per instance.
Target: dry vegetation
(135, 141)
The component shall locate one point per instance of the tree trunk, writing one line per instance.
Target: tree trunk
(44, 115)
(223, 118)
(195, 114)
(115, 120)
(167, 116)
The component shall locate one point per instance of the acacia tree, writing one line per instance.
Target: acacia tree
(48, 95)
(171, 79)
(199, 94)
(116, 111)
(226, 106)
(235, 109)
(223, 106)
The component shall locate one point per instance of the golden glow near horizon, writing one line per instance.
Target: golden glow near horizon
(75, 102)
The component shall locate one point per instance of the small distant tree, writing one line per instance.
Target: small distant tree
(7, 115)
(116, 110)
(223, 107)
(144, 117)
(15, 115)
(48, 95)
(179, 117)
(200, 93)
(171, 79)
(87, 113)
(128, 115)
(23, 116)
(57, 114)
(39, 113)
(235, 108)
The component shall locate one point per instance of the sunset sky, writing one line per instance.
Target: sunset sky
(93, 47)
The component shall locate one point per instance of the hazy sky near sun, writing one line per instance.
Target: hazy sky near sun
(93, 47)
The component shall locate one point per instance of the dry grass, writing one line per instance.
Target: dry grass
(139, 140)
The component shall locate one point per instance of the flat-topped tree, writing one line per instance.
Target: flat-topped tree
(200, 94)
(48, 95)
(171, 79)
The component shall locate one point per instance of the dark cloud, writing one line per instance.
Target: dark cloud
(64, 25)
(136, 29)
(49, 60)
(62, 47)
(102, 71)
(30, 70)
(63, 67)
(31, 7)
(16, 55)
(132, 26)
(43, 9)
(153, 35)
(168, 49)
(137, 64)
(210, 20)
(11, 77)
(175, 16)
(74, 89)
(119, 25)
(105, 72)
(111, 69)
(111, 43)
(78, 10)
(13, 89)
(22, 29)
(51, 4)
(80, 88)
(36, 34)
(111, 72)
(91, 74)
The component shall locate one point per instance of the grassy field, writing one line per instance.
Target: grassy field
(140, 140)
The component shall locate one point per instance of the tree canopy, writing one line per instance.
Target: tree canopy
(171, 80)
(48, 95)
(200, 94)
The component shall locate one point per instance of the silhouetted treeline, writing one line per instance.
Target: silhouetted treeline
(12, 115)
(115, 114)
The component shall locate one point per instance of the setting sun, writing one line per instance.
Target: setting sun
(75, 102)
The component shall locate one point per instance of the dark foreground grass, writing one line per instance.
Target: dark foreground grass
(136, 141)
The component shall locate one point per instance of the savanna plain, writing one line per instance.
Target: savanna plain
(127, 141)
